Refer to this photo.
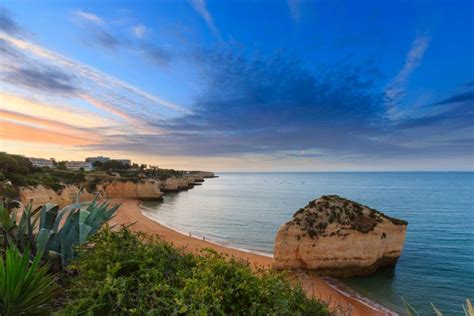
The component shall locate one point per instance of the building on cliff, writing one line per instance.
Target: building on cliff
(77, 165)
(41, 162)
(97, 159)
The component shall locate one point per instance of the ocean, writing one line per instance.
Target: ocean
(245, 210)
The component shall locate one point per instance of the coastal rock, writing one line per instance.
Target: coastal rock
(338, 237)
(207, 174)
(41, 195)
(175, 184)
(142, 190)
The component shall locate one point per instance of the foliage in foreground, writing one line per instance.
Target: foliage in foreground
(126, 274)
(24, 288)
(468, 309)
(52, 236)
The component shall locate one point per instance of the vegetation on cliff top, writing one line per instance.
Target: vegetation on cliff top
(17, 171)
(315, 217)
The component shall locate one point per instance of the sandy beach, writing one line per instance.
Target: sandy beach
(130, 212)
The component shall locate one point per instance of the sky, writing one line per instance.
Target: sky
(241, 85)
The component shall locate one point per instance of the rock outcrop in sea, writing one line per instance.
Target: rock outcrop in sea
(338, 237)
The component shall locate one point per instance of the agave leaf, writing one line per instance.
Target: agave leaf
(84, 233)
(70, 234)
(49, 212)
(409, 309)
(83, 215)
(468, 309)
(67, 210)
(42, 240)
(437, 311)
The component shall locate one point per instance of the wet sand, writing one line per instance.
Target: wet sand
(130, 212)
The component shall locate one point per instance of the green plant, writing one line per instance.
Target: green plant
(81, 223)
(52, 236)
(24, 288)
(229, 287)
(125, 273)
(468, 309)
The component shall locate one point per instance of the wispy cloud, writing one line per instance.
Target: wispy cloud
(295, 9)
(7, 24)
(395, 90)
(200, 7)
(139, 30)
(88, 16)
(87, 79)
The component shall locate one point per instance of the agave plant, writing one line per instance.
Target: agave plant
(468, 309)
(24, 288)
(54, 236)
(83, 220)
(19, 233)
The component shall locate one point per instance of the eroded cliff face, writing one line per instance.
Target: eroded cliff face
(338, 237)
(142, 190)
(111, 187)
(41, 195)
(175, 184)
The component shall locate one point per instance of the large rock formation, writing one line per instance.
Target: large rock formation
(338, 237)
(142, 190)
(175, 184)
(41, 195)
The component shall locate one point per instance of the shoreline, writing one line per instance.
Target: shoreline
(315, 286)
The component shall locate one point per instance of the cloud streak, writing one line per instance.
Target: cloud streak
(201, 9)
(88, 17)
(395, 90)
(295, 9)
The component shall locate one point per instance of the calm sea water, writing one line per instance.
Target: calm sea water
(245, 210)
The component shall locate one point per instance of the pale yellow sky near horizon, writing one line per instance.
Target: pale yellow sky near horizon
(251, 163)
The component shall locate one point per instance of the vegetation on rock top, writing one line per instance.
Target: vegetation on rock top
(315, 217)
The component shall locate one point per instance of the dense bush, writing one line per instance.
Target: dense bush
(126, 274)
(9, 192)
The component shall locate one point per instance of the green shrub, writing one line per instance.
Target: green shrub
(9, 192)
(220, 287)
(25, 288)
(23, 170)
(124, 273)
(2, 176)
(17, 179)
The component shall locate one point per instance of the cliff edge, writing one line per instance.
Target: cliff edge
(338, 237)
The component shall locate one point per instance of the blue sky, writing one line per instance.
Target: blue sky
(241, 85)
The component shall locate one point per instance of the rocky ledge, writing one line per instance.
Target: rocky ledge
(338, 237)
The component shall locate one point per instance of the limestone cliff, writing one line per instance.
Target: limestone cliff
(338, 237)
(142, 190)
(175, 184)
(41, 195)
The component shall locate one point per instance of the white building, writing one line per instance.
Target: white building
(41, 162)
(76, 165)
(98, 158)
